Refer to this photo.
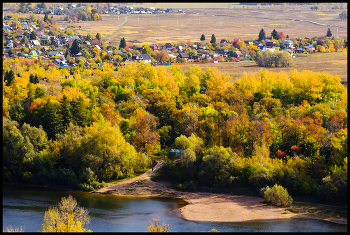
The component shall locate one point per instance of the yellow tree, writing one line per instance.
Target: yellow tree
(155, 227)
(67, 217)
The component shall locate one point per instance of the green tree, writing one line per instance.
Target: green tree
(262, 35)
(75, 48)
(52, 120)
(146, 49)
(16, 148)
(343, 15)
(9, 77)
(329, 33)
(33, 35)
(202, 37)
(122, 43)
(46, 17)
(36, 79)
(31, 95)
(213, 39)
(39, 92)
(67, 217)
(80, 112)
(88, 37)
(217, 166)
(275, 35)
(277, 195)
(66, 111)
(98, 36)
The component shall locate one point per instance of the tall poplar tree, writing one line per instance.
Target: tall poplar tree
(262, 35)
(275, 35)
(122, 43)
(213, 39)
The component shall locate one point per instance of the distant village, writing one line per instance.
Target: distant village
(25, 38)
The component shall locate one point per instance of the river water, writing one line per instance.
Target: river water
(25, 207)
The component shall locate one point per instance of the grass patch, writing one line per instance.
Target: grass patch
(320, 210)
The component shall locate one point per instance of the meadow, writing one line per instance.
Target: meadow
(333, 63)
(225, 20)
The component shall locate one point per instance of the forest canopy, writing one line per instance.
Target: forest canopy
(102, 125)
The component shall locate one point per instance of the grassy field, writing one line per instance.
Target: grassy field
(333, 63)
(225, 20)
(225, 24)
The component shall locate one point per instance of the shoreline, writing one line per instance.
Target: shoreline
(208, 206)
(204, 206)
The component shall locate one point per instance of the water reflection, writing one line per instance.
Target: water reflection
(26, 207)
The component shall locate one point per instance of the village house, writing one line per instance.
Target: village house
(179, 48)
(223, 42)
(168, 47)
(33, 53)
(145, 58)
(183, 56)
(270, 43)
(288, 43)
(35, 42)
(237, 54)
(5, 26)
(223, 53)
(154, 47)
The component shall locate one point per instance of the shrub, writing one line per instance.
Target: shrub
(278, 196)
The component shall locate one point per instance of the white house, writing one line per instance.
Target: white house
(36, 42)
(288, 43)
(145, 58)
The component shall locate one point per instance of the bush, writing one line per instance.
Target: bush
(278, 196)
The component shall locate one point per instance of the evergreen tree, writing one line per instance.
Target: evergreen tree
(213, 39)
(75, 48)
(9, 77)
(66, 111)
(88, 37)
(52, 121)
(275, 35)
(98, 36)
(202, 37)
(36, 79)
(39, 92)
(24, 40)
(31, 78)
(262, 35)
(329, 33)
(46, 17)
(80, 112)
(31, 95)
(122, 43)
(33, 35)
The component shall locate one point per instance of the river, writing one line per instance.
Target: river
(25, 207)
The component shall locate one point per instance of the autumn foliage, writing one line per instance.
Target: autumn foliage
(101, 125)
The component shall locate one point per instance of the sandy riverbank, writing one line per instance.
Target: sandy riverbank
(205, 206)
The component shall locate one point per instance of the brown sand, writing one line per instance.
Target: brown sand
(205, 206)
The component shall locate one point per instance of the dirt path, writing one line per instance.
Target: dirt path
(141, 185)
(118, 29)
